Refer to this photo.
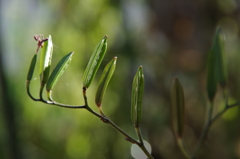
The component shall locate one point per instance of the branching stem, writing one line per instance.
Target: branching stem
(108, 121)
(100, 116)
(208, 124)
(205, 131)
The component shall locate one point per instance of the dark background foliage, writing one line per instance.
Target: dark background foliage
(169, 38)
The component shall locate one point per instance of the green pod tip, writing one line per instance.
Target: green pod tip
(137, 95)
(177, 108)
(94, 62)
(105, 37)
(220, 55)
(104, 80)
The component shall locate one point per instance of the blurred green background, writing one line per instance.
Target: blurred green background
(169, 38)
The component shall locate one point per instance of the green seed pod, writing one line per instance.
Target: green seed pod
(32, 67)
(94, 62)
(137, 95)
(58, 71)
(177, 108)
(211, 77)
(216, 67)
(104, 80)
(219, 50)
(45, 60)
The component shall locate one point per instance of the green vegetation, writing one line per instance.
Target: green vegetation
(216, 76)
(172, 41)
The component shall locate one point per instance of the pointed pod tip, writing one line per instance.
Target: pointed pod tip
(220, 32)
(114, 60)
(49, 37)
(140, 68)
(219, 28)
(176, 78)
(105, 39)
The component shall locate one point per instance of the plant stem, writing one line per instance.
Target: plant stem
(41, 91)
(182, 147)
(141, 143)
(49, 102)
(145, 151)
(28, 91)
(209, 122)
(219, 114)
(63, 105)
(102, 117)
(205, 130)
(139, 134)
(108, 121)
(224, 110)
(128, 137)
(233, 105)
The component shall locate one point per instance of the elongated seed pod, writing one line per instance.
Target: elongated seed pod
(94, 62)
(45, 60)
(177, 108)
(58, 71)
(137, 95)
(216, 66)
(219, 50)
(32, 67)
(104, 80)
(211, 77)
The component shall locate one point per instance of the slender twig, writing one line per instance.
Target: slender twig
(182, 147)
(139, 134)
(209, 123)
(219, 114)
(225, 109)
(108, 121)
(145, 151)
(101, 116)
(235, 104)
(141, 143)
(205, 130)
(128, 137)
(104, 118)
(49, 102)
(28, 91)
(64, 105)
(41, 92)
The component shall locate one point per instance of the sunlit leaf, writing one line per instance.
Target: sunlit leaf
(45, 60)
(104, 80)
(137, 95)
(58, 71)
(94, 62)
